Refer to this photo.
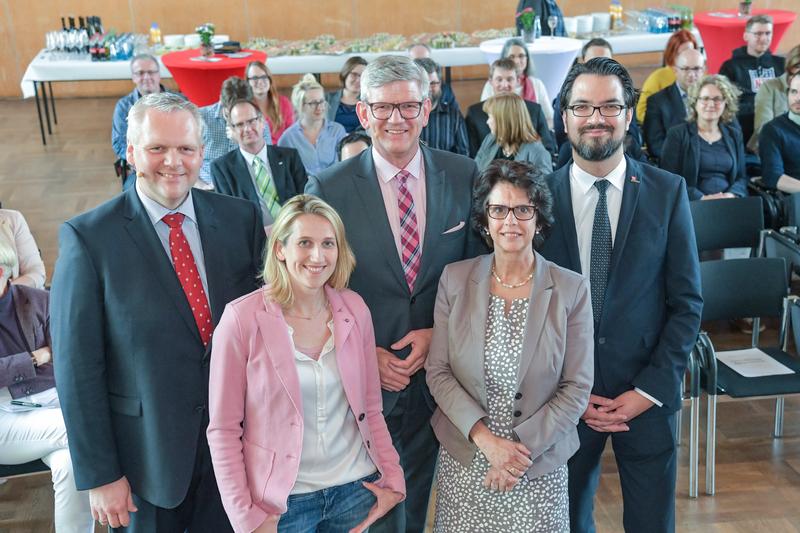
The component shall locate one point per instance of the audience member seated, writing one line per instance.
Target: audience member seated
(663, 77)
(530, 88)
(353, 144)
(667, 107)
(597, 47)
(313, 135)
(342, 102)
(421, 51)
(446, 129)
(771, 97)
(708, 150)
(264, 174)
(512, 135)
(752, 65)
(217, 139)
(32, 427)
(29, 267)
(145, 75)
(780, 144)
(504, 79)
(275, 108)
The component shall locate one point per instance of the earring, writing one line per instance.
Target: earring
(139, 174)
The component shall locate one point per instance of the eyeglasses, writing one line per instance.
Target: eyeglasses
(500, 212)
(143, 73)
(316, 104)
(715, 100)
(384, 110)
(695, 70)
(251, 123)
(606, 110)
(761, 34)
(516, 56)
(256, 79)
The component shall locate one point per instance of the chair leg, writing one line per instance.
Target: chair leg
(711, 444)
(694, 445)
(678, 424)
(779, 401)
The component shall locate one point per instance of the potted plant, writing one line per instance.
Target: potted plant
(206, 32)
(745, 7)
(525, 19)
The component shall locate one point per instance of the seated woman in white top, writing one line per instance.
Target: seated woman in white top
(30, 267)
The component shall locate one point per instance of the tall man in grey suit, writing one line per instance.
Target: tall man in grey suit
(626, 226)
(139, 284)
(406, 210)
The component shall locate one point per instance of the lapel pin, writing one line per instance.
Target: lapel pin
(634, 179)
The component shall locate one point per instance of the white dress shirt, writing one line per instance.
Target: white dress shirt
(584, 201)
(333, 452)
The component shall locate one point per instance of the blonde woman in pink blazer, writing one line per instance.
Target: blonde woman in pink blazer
(297, 437)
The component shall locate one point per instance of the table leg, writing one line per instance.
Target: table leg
(39, 110)
(46, 108)
(318, 75)
(447, 75)
(52, 102)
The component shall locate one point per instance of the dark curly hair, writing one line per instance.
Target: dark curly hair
(519, 174)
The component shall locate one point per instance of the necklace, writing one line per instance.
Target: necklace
(312, 317)
(511, 285)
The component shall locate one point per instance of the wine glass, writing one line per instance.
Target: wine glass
(552, 22)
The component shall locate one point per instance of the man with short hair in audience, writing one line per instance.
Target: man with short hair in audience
(217, 136)
(667, 107)
(750, 66)
(446, 129)
(422, 51)
(504, 79)
(29, 428)
(265, 174)
(353, 144)
(145, 75)
(780, 145)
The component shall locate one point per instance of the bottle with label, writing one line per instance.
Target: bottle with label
(155, 34)
(537, 27)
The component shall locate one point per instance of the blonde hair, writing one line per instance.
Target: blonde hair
(729, 92)
(275, 274)
(306, 83)
(512, 122)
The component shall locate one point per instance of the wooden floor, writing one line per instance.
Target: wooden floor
(758, 478)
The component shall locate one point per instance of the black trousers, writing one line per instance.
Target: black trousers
(647, 461)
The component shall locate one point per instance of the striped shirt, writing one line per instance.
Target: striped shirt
(446, 129)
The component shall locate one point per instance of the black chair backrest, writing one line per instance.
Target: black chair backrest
(779, 245)
(728, 223)
(743, 288)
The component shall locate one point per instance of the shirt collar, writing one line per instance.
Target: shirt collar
(585, 181)
(248, 157)
(386, 171)
(794, 117)
(157, 211)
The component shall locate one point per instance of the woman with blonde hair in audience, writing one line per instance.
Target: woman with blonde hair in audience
(708, 150)
(276, 108)
(512, 135)
(342, 102)
(314, 136)
(663, 77)
(296, 432)
(29, 269)
(771, 98)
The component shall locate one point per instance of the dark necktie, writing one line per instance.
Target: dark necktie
(186, 269)
(601, 251)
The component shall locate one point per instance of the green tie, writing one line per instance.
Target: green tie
(266, 187)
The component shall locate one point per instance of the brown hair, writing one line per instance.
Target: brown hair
(675, 42)
(349, 65)
(512, 122)
(273, 110)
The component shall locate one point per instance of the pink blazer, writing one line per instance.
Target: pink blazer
(256, 418)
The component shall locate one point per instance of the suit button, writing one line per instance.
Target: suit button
(200, 408)
(601, 340)
(361, 417)
(368, 445)
(347, 320)
(518, 396)
(413, 300)
(517, 414)
(28, 391)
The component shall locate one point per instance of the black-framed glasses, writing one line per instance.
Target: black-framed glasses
(500, 212)
(606, 110)
(384, 110)
(240, 126)
(713, 100)
(696, 70)
(316, 104)
(256, 79)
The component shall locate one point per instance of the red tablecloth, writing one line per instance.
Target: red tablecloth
(201, 81)
(722, 34)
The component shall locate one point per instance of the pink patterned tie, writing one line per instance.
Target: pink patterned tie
(186, 269)
(409, 236)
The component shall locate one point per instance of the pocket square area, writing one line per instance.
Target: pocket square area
(454, 228)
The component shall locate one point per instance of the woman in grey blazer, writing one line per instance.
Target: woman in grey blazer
(512, 135)
(510, 367)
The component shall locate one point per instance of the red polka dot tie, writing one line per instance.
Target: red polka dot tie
(186, 269)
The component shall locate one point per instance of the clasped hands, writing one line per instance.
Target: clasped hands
(395, 372)
(609, 415)
(508, 460)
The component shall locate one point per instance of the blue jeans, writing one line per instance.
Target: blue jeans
(333, 510)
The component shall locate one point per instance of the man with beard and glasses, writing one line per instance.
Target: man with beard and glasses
(446, 129)
(627, 227)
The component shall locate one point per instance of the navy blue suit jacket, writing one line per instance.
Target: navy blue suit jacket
(652, 306)
(131, 368)
(664, 110)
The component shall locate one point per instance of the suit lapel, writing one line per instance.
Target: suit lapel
(677, 101)
(347, 360)
(277, 167)
(143, 234)
(22, 307)
(435, 212)
(478, 289)
(538, 307)
(280, 350)
(630, 198)
(212, 239)
(565, 217)
(241, 175)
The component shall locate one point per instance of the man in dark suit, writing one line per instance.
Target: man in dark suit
(626, 226)
(406, 209)
(667, 107)
(504, 79)
(139, 284)
(266, 175)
